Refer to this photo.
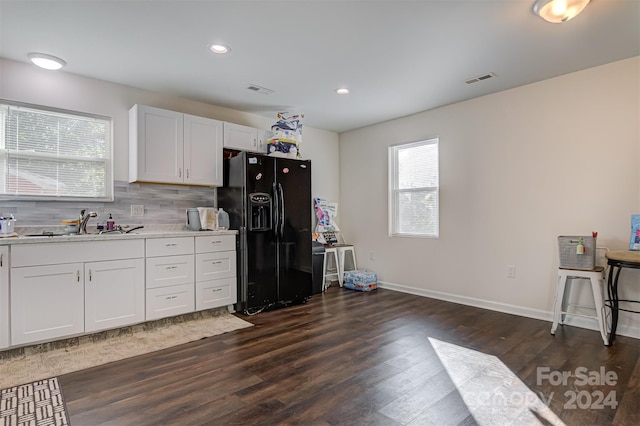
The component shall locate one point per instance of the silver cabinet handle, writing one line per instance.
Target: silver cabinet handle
(170, 245)
(1, 256)
(179, 172)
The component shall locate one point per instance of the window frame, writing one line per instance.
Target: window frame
(108, 160)
(394, 191)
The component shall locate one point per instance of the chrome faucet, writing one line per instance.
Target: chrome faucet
(84, 218)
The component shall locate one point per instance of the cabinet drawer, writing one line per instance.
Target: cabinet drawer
(169, 246)
(216, 293)
(170, 301)
(215, 243)
(213, 266)
(69, 252)
(170, 270)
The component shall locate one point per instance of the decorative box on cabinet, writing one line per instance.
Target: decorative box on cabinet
(64, 289)
(216, 281)
(172, 147)
(170, 277)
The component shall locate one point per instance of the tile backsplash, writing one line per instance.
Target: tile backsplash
(163, 204)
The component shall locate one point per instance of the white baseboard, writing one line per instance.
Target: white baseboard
(622, 330)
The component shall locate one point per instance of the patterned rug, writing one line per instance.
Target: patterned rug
(39, 363)
(34, 404)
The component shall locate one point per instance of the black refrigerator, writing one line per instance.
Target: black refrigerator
(268, 200)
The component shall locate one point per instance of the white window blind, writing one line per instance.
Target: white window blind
(54, 154)
(414, 189)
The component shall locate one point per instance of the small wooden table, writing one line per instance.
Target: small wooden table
(619, 259)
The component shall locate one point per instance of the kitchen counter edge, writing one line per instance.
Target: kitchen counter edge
(106, 237)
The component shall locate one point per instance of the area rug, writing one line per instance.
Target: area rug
(38, 404)
(34, 365)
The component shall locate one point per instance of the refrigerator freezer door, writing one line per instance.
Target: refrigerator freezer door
(261, 244)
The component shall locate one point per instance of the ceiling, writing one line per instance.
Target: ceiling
(397, 57)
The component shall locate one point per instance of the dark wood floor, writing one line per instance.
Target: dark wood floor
(354, 358)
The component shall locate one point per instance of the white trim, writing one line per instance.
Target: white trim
(622, 330)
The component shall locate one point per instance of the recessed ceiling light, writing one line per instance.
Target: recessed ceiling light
(219, 48)
(342, 91)
(45, 61)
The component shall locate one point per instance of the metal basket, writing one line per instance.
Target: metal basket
(569, 259)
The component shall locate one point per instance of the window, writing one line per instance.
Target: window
(53, 154)
(413, 189)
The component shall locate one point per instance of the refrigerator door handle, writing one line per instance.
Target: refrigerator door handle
(243, 289)
(281, 213)
(276, 210)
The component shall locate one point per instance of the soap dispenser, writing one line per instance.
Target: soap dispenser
(110, 223)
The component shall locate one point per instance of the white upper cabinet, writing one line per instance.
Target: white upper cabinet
(202, 151)
(244, 138)
(171, 147)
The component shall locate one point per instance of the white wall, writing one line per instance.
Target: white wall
(27, 83)
(517, 168)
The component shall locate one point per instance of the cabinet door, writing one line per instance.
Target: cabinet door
(244, 138)
(47, 302)
(4, 297)
(202, 151)
(114, 294)
(263, 139)
(156, 145)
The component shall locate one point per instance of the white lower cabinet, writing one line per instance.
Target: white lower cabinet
(50, 291)
(47, 302)
(114, 296)
(170, 277)
(4, 297)
(216, 280)
(62, 289)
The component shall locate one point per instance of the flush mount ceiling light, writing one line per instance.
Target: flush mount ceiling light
(558, 11)
(45, 61)
(342, 91)
(219, 49)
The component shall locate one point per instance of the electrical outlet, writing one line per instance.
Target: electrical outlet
(137, 210)
(372, 256)
(511, 271)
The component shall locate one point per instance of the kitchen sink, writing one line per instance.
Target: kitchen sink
(121, 231)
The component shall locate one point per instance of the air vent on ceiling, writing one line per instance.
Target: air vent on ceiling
(480, 78)
(259, 89)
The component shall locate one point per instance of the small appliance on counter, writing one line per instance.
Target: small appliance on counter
(7, 225)
(206, 219)
(193, 219)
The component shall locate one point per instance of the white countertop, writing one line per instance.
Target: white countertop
(149, 231)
